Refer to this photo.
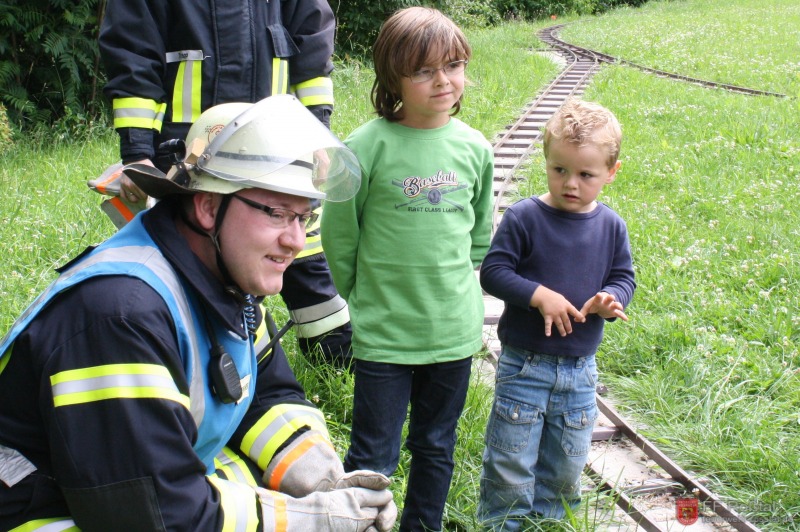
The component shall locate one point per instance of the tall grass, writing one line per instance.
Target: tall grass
(709, 186)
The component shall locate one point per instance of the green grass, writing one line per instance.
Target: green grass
(709, 187)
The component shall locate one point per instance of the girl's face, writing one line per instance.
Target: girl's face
(427, 104)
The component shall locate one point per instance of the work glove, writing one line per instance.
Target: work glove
(120, 208)
(343, 510)
(310, 464)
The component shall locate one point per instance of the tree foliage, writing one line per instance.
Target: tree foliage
(49, 61)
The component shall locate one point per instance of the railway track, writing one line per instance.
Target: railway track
(654, 493)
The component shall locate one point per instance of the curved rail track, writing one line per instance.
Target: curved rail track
(511, 150)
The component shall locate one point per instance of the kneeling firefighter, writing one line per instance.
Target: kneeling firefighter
(131, 393)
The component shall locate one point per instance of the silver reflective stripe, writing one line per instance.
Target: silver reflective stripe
(286, 418)
(323, 326)
(232, 466)
(309, 92)
(13, 466)
(128, 112)
(184, 55)
(318, 311)
(113, 381)
(58, 526)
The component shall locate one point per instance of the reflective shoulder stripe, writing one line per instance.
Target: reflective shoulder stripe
(280, 76)
(239, 504)
(317, 91)
(276, 426)
(57, 524)
(138, 112)
(234, 468)
(115, 381)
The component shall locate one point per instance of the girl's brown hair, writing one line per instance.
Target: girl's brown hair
(407, 41)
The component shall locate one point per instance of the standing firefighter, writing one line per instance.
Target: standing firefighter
(131, 394)
(169, 61)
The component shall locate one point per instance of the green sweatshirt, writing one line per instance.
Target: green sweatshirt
(403, 251)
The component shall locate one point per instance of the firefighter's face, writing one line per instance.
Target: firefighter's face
(256, 249)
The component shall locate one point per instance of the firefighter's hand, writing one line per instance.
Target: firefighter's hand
(129, 192)
(345, 510)
(604, 305)
(556, 310)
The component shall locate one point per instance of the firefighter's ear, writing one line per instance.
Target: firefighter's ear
(206, 208)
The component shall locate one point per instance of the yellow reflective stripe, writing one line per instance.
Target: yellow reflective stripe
(312, 246)
(177, 94)
(138, 112)
(238, 503)
(280, 76)
(275, 427)
(313, 243)
(196, 95)
(115, 381)
(273, 511)
(5, 357)
(234, 467)
(55, 524)
(317, 91)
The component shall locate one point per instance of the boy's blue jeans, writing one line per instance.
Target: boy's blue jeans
(538, 437)
(437, 393)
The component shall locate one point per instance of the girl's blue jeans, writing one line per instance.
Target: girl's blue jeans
(538, 437)
(437, 393)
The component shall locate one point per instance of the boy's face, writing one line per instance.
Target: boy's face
(576, 175)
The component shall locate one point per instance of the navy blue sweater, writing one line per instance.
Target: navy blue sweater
(574, 254)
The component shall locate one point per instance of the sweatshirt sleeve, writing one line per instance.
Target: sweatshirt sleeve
(483, 206)
(621, 281)
(498, 274)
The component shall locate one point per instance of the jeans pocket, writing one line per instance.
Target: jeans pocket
(510, 425)
(578, 427)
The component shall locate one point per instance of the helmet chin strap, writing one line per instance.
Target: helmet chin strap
(230, 284)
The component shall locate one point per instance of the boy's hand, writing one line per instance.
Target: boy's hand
(556, 310)
(604, 305)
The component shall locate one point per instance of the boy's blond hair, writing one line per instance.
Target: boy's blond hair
(408, 39)
(585, 123)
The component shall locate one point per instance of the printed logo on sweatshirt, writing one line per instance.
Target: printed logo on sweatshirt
(429, 194)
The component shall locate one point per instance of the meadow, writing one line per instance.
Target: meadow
(708, 365)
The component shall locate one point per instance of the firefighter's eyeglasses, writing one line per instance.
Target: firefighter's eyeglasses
(450, 69)
(281, 218)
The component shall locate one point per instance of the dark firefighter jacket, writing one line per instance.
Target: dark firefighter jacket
(169, 61)
(123, 457)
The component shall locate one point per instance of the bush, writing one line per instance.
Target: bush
(49, 59)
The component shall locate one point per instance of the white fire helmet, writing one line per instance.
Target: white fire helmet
(275, 144)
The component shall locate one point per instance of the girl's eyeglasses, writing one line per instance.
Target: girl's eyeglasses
(450, 69)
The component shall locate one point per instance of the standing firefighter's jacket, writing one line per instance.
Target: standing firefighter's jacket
(167, 62)
(108, 420)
